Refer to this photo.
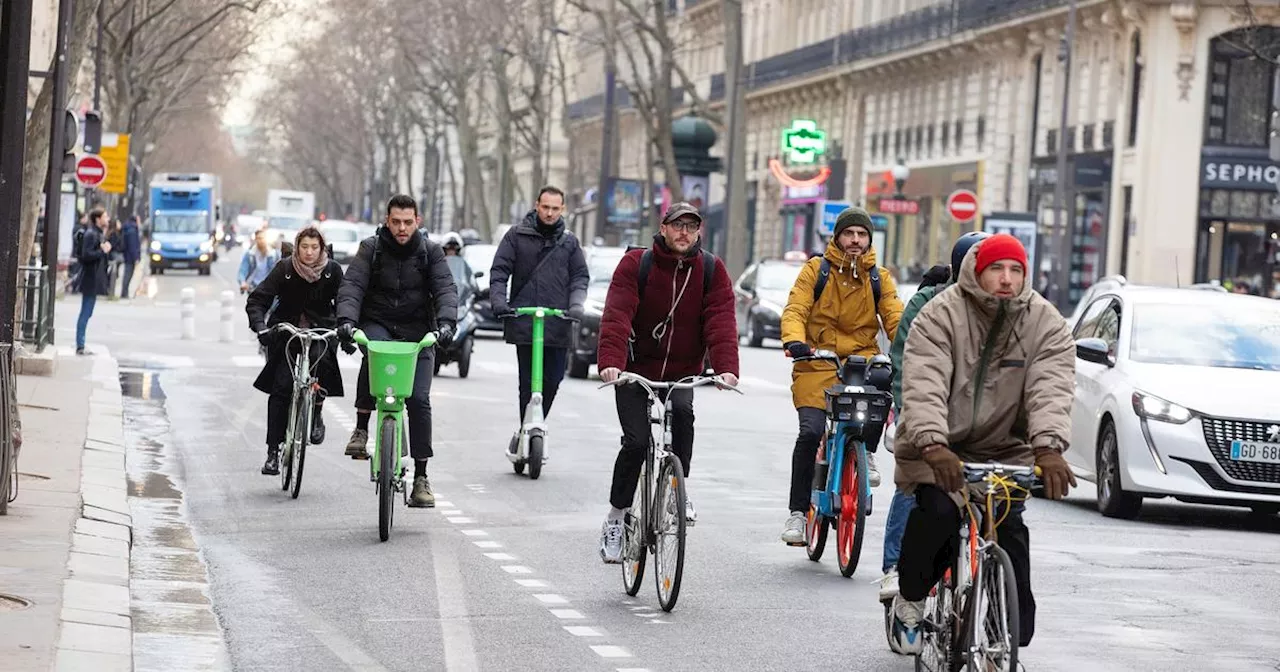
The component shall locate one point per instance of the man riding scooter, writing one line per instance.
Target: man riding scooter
(459, 351)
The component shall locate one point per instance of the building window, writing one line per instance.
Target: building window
(930, 138)
(1087, 139)
(1108, 134)
(884, 143)
(875, 145)
(1238, 99)
(959, 135)
(1248, 113)
(897, 142)
(981, 131)
(907, 140)
(920, 140)
(1070, 140)
(1051, 141)
(946, 136)
(1135, 87)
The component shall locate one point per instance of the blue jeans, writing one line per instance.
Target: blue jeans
(895, 527)
(87, 301)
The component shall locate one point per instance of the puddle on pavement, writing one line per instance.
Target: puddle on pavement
(140, 383)
(174, 622)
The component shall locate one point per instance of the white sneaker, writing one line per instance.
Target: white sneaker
(889, 585)
(611, 542)
(873, 474)
(904, 634)
(793, 533)
(690, 514)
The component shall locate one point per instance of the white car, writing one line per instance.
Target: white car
(1175, 396)
(345, 239)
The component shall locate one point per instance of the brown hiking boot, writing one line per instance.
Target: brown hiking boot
(356, 446)
(421, 496)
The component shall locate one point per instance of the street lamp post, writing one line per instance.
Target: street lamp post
(900, 174)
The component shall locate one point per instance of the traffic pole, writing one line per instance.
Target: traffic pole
(188, 310)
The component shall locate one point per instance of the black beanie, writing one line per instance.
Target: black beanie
(853, 216)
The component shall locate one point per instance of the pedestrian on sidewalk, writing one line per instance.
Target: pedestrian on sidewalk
(132, 254)
(115, 259)
(93, 255)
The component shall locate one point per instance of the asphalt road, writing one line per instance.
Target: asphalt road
(504, 573)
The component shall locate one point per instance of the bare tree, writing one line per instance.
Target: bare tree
(1259, 34)
(650, 44)
(165, 57)
(449, 50)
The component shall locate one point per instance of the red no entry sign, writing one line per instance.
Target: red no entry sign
(962, 205)
(91, 170)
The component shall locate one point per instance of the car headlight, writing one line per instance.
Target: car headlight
(155, 246)
(206, 245)
(1155, 408)
(771, 308)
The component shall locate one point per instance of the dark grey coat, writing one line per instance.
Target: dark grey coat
(560, 282)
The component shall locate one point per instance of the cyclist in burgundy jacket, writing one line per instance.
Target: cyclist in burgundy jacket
(686, 314)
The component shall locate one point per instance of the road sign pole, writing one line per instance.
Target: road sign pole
(57, 145)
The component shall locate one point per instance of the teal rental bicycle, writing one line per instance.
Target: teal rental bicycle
(529, 446)
(392, 365)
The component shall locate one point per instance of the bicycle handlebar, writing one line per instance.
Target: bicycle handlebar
(539, 311)
(683, 384)
(975, 472)
(427, 341)
(818, 356)
(313, 333)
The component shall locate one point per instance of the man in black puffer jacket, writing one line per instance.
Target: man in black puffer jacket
(399, 288)
(546, 267)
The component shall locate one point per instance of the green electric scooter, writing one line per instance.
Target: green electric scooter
(529, 446)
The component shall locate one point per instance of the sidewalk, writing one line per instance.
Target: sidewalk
(64, 547)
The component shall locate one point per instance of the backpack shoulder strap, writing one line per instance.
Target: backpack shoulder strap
(375, 259)
(642, 276)
(708, 271)
(875, 286)
(824, 273)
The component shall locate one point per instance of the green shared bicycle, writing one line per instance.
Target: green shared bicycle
(392, 365)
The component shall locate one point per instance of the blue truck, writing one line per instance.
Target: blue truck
(185, 211)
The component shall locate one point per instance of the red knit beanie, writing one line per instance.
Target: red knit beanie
(1000, 247)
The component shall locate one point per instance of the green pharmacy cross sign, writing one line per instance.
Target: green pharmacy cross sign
(803, 141)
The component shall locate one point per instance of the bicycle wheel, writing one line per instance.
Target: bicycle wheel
(634, 549)
(535, 457)
(992, 614)
(852, 519)
(286, 448)
(937, 628)
(302, 436)
(388, 453)
(669, 513)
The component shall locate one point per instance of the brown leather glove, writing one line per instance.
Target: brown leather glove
(1054, 472)
(948, 471)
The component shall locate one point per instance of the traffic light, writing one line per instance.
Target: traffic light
(92, 132)
(70, 136)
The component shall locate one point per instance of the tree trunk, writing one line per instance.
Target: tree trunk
(502, 87)
(35, 163)
(735, 211)
(477, 211)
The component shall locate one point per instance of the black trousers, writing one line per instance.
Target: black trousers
(932, 543)
(418, 405)
(813, 422)
(554, 361)
(282, 394)
(633, 415)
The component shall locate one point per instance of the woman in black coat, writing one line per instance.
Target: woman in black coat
(306, 286)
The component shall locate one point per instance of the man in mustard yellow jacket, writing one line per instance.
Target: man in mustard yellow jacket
(856, 301)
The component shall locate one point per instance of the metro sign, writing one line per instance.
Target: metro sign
(894, 206)
(803, 142)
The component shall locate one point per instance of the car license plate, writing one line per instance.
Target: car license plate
(1255, 451)
(179, 264)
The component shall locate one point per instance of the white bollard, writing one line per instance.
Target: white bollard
(188, 307)
(228, 332)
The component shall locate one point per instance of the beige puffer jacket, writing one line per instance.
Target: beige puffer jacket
(991, 378)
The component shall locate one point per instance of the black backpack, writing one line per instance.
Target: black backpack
(824, 273)
(77, 243)
(646, 263)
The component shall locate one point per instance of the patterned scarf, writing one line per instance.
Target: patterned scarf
(311, 273)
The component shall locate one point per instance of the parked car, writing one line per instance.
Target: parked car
(601, 262)
(344, 238)
(1174, 398)
(761, 294)
(480, 257)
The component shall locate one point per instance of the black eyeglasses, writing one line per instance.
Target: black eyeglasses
(691, 227)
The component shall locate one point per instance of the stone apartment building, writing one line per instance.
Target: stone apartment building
(1169, 117)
